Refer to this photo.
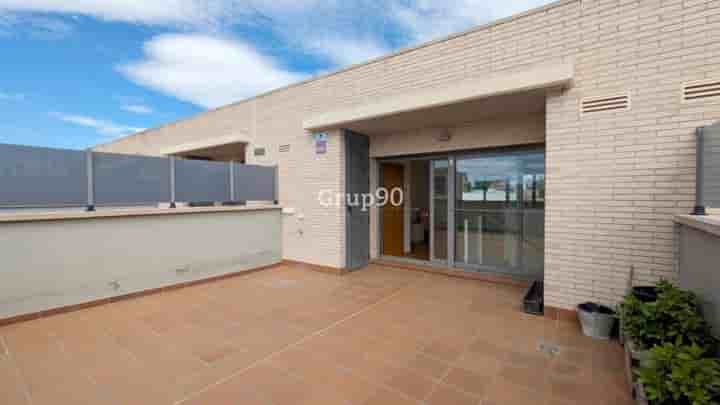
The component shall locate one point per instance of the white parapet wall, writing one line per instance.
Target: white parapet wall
(50, 261)
(698, 245)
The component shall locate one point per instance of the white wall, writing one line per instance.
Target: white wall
(50, 264)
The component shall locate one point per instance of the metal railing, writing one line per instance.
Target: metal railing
(33, 177)
(707, 180)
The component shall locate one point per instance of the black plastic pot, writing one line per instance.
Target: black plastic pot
(596, 308)
(645, 293)
(533, 302)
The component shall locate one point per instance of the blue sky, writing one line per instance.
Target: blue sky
(76, 73)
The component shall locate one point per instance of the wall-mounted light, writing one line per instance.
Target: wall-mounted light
(444, 136)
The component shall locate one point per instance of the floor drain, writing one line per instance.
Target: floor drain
(548, 348)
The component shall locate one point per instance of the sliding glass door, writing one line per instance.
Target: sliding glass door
(499, 212)
(439, 177)
(486, 211)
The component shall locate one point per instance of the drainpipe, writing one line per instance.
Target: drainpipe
(699, 169)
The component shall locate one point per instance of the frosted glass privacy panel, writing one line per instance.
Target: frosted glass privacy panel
(202, 181)
(42, 177)
(254, 183)
(130, 179)
(711, 166)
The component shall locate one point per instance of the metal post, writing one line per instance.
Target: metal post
(466, 243)
(232, 181)
(276, 179)
(172, 182)
(480, 240)
(90, 181)
(451, 212)
(431, 187)
(699, 173)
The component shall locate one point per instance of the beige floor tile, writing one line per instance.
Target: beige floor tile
(445, 395)
(387, 397)
(227, 394)
(410, 383)
(502, 392)
(569, 389)
(468, 381)
(73, 392)
(444, 351)
(12, 387)
(480, 363)
(428, 366)
(530, 378)
(292, 336)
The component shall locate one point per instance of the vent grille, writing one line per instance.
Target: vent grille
(284, 148)
(259, 152)
(701, 90)
(605, 103)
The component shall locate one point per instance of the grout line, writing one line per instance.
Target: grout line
(299, 342)
(455, 364)
(364, 377)
(18, 372)
(4, 346)
(83, 373)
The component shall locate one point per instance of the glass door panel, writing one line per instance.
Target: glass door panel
(418, 216)
(533, 247)
(499, 221)
(439, 209)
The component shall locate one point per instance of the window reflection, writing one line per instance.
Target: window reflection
(500, 202)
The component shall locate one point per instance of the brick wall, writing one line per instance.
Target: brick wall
(614, 178)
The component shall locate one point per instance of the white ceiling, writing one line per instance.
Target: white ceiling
(453, 115)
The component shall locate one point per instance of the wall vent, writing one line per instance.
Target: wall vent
(284, 148)
(701, 90)
(590, 105)
(259, 152)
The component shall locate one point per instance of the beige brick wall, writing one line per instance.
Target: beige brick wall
(614, 178)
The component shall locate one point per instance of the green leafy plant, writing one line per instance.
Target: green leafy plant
(673, 318)
(640, 321)
(681, 375)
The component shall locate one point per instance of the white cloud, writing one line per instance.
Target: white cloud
(343, 52)
(11, 96)
(206, 70)
(137, 108)
(34, 26)
(40, 27)
(193, 13)
(136, 11)
(426, 20)
(105, 128)
(205, 66)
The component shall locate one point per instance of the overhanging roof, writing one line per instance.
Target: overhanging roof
(541, 76)
(205, 144)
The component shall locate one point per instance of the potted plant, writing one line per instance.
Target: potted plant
(638, 322)
(679, 374)
(644, 294)
(673, 318)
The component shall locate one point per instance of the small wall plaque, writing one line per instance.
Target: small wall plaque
(320, 143)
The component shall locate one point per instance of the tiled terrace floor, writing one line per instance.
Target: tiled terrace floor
(292, 336)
